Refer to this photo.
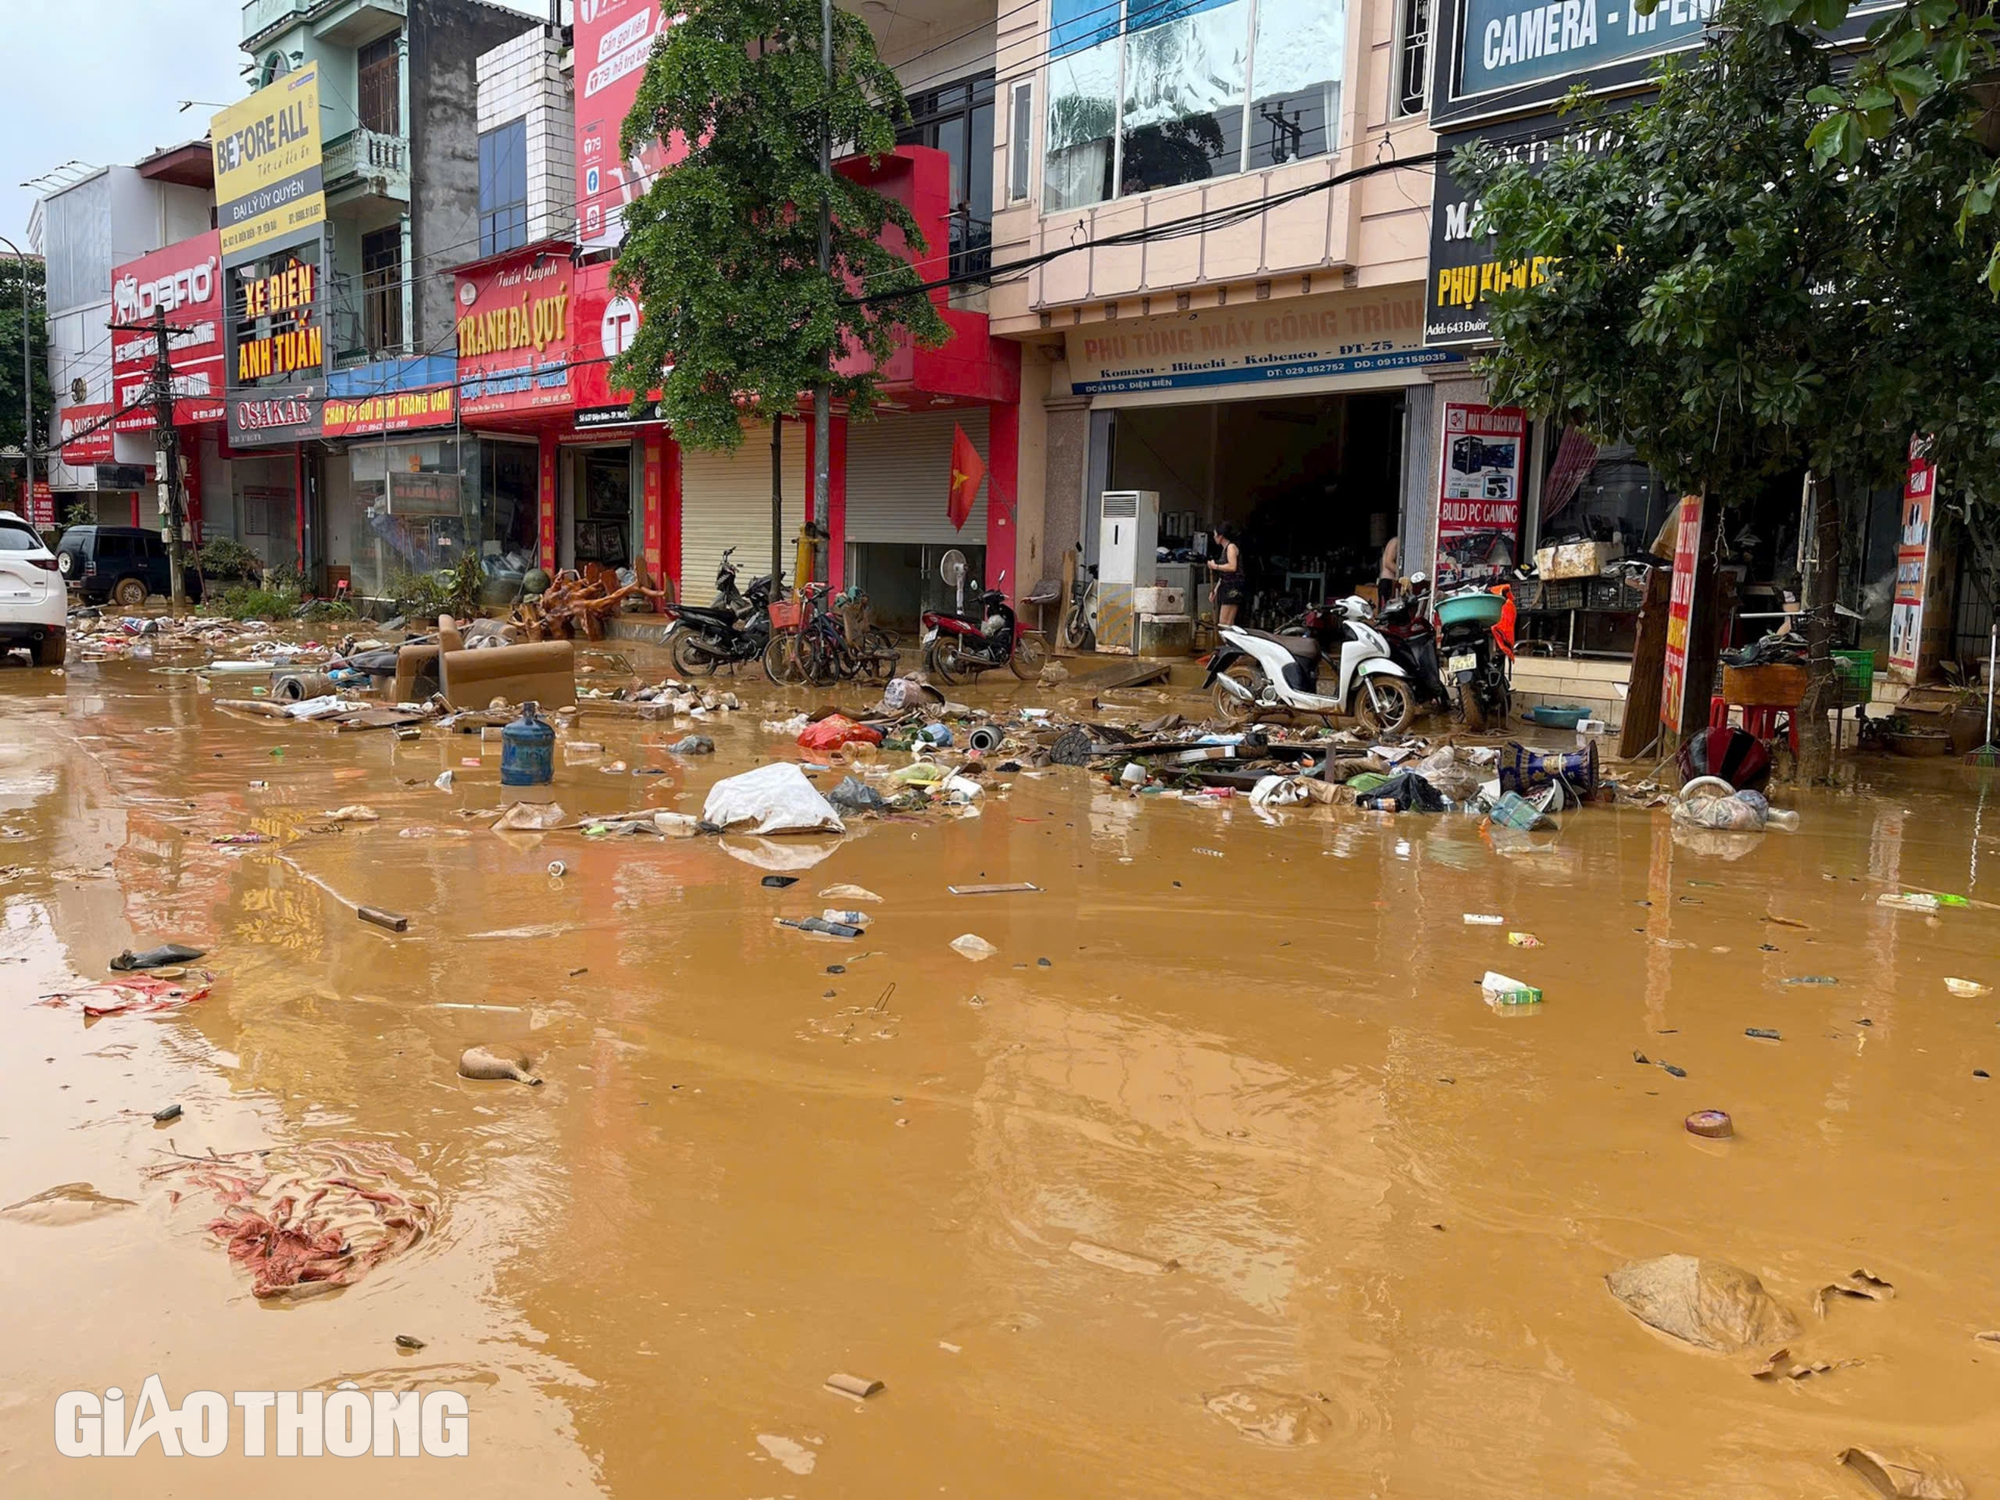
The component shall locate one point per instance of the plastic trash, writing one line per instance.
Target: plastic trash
(1480, 919)
(1967, 989)
(821, 926)
(961, 788)
(845, 918)
(1500, 990)
(156, 958)
(854, 795)
(1708, 1303)
(1406, 791)
(836, 730)
(918, 773)
(974, 947)
(936, 734)
(1909, 901)
(771, 799)
(677, 825)
(443, 783)
(1523, 940)
(693, 744)
(1517, 812)
(1134, 774)
(1279, 791)
(529, 817)
(848, 893)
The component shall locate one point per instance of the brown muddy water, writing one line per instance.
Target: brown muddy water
(1391, 1208)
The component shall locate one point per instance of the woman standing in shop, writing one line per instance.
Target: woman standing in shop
(1227, 571)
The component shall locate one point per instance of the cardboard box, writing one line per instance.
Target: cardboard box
(1576, 560)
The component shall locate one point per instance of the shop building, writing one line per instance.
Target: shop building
(1265, 367)
(86, 229)
(1498, 75)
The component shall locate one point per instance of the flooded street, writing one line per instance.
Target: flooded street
(1219, 1178)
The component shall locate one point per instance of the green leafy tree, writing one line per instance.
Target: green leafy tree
(12, 272)
(721, 252)
(1736, 306)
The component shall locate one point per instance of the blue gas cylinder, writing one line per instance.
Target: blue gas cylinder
(527, 751)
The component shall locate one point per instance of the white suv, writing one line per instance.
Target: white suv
(34, 604)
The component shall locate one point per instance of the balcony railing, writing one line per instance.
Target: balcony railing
(260, 16)
(370, 155)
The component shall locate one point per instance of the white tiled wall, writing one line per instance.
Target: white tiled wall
(526, 79)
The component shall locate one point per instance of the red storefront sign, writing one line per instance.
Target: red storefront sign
(185, 281)
(41, 505)
(1913, 557)
(606, 322)
(1680, 613)
(392, 411)
(1479, 489)
(614, 38)
(93, 446)
(515, 338)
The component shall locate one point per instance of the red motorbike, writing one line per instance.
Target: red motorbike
(958, 647)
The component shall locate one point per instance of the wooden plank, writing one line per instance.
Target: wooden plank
(1120, 675)
(1649, 659)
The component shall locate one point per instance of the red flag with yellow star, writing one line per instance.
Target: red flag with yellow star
(966, 473)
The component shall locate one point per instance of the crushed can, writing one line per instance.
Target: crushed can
(527, 750)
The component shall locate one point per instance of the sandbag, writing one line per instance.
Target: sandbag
(771, 799)
(1708, 1303)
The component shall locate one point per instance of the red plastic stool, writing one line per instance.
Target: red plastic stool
(1760, 720)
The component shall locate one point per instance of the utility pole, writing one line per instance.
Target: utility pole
(819, 510)
(166, 459)
(28, 387)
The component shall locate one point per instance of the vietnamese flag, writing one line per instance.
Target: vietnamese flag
(966, 473)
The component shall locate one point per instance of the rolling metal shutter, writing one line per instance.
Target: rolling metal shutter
(726, 502)
(899, 477)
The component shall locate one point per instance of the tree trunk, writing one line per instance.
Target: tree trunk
(1823, 686)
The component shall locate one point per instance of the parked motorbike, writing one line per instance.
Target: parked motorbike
(1476, 639)
(1255, 672)
(736, 628)
(958, 647)
(1405, 623)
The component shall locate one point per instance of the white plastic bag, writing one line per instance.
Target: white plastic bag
(771, 799)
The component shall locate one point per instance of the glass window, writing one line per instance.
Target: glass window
(18, 539)
(957, 119)
(509, 491)
(1184, 80)
(1168, 82)
(1300, 61)
(382, 289)
(503, 188)
(1020, 141)
(1413, 58)
(1083, 124)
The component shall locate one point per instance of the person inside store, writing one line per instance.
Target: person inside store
(1226, 568)
(1388, 571)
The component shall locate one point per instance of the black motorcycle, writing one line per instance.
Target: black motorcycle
(736, 628)
(1405, 623)
(1475, 668)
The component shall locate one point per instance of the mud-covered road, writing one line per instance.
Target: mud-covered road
(1218, 1179)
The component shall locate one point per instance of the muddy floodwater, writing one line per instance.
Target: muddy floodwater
(1218, 1179)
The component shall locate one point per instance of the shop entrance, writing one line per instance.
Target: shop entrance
(1314, 483)
(597, 507)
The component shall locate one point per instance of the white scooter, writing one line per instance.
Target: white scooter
(1255, 672)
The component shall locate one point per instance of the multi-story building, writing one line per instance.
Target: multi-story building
(84, 229)
(1212, 306)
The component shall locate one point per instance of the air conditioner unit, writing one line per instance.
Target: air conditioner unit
(1128, 542)
(1128, 538)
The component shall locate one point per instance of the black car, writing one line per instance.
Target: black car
(123, 564)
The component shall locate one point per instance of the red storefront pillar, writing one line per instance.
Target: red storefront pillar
(546, 500)
(834, 522)
(1003, 468)
(654, 502)
(670, 545)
